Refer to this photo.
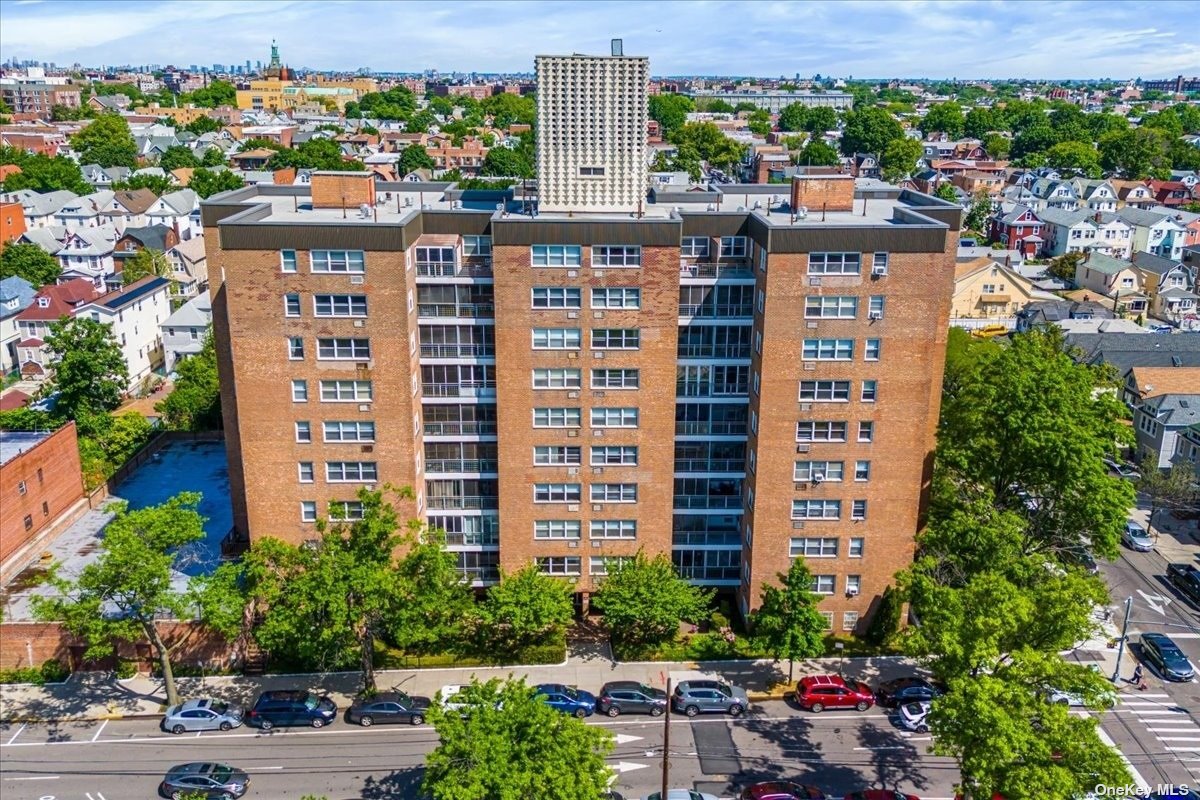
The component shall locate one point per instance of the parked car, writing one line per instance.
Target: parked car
(1164, 655)
(781, 790)
(567, 699)
(703, 696)
(1065, 698)
(291, 707)
(388, 708)
(626, 697)
(206, 778)
(1177, 793)
(453, 697)
(909, 689)
(819, 692)
(1186, 578)
(1136, 538)
(880, 794)
(1083, 559)
(913, 716)
(682, 794)
(202, 715)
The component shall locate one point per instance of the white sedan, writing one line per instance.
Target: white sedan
(913, 716)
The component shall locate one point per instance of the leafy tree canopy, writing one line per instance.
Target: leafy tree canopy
(194, 403)
(178, 156)
(818, 153)
(203, 125)
(206, 183)
(869, 130)
(900, 158)
(507, 162)
(30, 262)
(158, 184)
(787, 622)
(671, 111)
(509, 109)
(944, 118)
(525, 608)
(644, 599)
(42, 173)
(90, 375)
(1136, 153)
(710, 144)
(106, 141)
(146, 261)
(414, 157)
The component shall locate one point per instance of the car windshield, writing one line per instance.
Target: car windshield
(403, 699)
(221, 774)
(220, 708)
(571, 693)
(311, 702)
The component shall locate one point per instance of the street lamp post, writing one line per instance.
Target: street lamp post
(1116, 676)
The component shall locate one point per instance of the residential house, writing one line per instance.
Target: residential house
(252, 159)
(1190, 221)
(156, 237)
(16, 294)
(1168, 283)
(49, 305)
(115, 103)
(1054, 193)
(1170, 193)
(1041, 313)
(183, 332)
(12, 221)
(88, 253)
(128, 208)
(1165, 403)
(49, 239)
(1082, 230)
(1133, 194)
(974, 181)
(84, 212)
(189, 266)
(1096, 195)
(180, 211)
(1187, 448)
(1113, 278)
(1155, 233)
(1018, 228)
(134, 313)
(985, 289)
(40, 209)
(103, 177)
(1123, 351)
(865, 165)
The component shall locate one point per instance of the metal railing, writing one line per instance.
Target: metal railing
(695, 428)
(708, 310)
(714, 351)
(709, 573)
(706, 538)
(441, 269)
(688, 389)
(469, 428)
(458, 351)
(461, 389)
(707, 501)
(461, 465)
(716, 270)
(473, 539)
(487, 502)
(710, 464)
(466, 310)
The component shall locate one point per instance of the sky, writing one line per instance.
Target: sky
(920, 38)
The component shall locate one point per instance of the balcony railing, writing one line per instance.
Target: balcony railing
(458, 351)
(709, 573)
(707, 538)
(708, 310)
(721, 270)
(460, 428)
(707, 501)
(710, 464)
(695, 428)
(714, 351)
(461, 465)
(487, 502)
(473, 539)
(461, 389)
(441, 269)
(488, 574)
(709, 390)
(467, 310)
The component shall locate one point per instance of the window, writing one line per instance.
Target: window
(828, 349)
(287, 260)
(830, 307)
(306, 471)
(879, 264)
(557, 378)
(853, 584)
(820, 431)
(862, 470)
(349, 431)
(591, 171)
(875, 307)
(814, 547)
(849, 620)
(858, 509)
(600, 565)
(554, 455)
(825, 391)
(733, 247)
(614, 492)
(816, 509)
(758, 342)
(346, 391)
(868, 391)
(694, 247)
(299, 391)
(856, 547)
(41, 478)
(558, 565)
(556, 417)
(21, 488)
(480, 246)
(806, 471)
(303, 432)
(556, 529)
(295, 348)
(337, 261)
(828, 615)
(614, 379)
(871, 351)
(555, 297)
(343, 349)
(619, 255)
(308, 510)
(824, 584)
(347, 510)
(616, 338)
(866, 431)
(28, 522)
(351, 472)
(340, 305)
(617, 297)
(625, 417)
(556, 338)
(291, 305)
(834, 263)
(556, 255)
(615, 454)
(556, 493)
(762, 301)
(613, 529)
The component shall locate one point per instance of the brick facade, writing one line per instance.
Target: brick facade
(31, 644)
(343, 189)
(37, 486)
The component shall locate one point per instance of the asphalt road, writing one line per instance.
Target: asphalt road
(122, 760)
(1158, 729)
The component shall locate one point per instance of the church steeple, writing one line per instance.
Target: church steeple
(275, 62)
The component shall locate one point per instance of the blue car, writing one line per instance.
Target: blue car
(567, 699)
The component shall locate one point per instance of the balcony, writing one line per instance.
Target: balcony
(464, 310)
(482, 574)
(710, 465)
(451, 503)
(713, 538)
(724, 269)
(462, 389)
(473, 539)
(710, 390)
(458, 351)
(707, 574)
(481, 268)
(714, 351)
(461, 465)
(710, 311)
(470, 428)
(697, 428)
(682, 501)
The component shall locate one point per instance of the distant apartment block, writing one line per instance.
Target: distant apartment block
(776, 101)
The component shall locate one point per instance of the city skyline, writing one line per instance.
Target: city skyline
(1074, 40)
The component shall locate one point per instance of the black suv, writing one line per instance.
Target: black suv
(1186, 579)
(291, 707)
(624, 697)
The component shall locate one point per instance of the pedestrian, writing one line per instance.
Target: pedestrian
(1137, 675)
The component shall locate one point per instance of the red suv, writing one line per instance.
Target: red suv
(819, 692)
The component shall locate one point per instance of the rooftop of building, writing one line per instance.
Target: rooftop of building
(14, 443)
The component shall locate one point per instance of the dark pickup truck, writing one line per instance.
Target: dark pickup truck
(1186, 579)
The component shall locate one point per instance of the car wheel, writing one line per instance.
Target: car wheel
(318, 722)
(177, 729)
(817, 708)
(691, 711)
(580, 713)
(862, 705)
(613, 711)
(656, 711)
(225, 726)
(366, 722)
(416, 719)
(735, 710)
(1062, 701)
(266, 724)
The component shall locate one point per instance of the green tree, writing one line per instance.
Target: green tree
(1035, 139)
(818, 153)
(156, 183)
(414, 157)
(441, 106)
(106, 141)
(671, 111)
(28, 261)
(194, 403)
(979, 212)
(644, 599)
(513, 746)
(997, 146)
(206, 183)
(507, 162)
(60, 113)
(759, 122)
(945, 191)
(213, 157)
(217, 93)
(714, 105)
(146, 261)
(320, 153)
(1168, 488)
(1183, 156)
(255, 143)
(509, 109)
(117, 597)
(1136, 153)
(178, 156)
(203, 125)
(900, 158)
(869, 130)
(979, 122)
(90, 375)
(128, 89)
(526, 608)
(436, 603)
(944, 118)
(787, 621)
(710, 144)
(106, 441)
(793, 117)
(1063, 267)
(420, 122)
(1074, 158)
(820, 119)
(42, 173)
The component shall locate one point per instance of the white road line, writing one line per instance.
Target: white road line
(1139, 694)
(1178, 729)
(1178, 738)
(1146, 712)
(899, 747)
(36, 778)
(260, 769)
(15, 735)
(1182, 746)
(1147, 703)
(1137, 776)
(100, 730)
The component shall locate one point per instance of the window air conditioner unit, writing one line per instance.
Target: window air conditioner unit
(597, 315)
(573, 471)
(597, 354)
(818, 478)
(812, 324)
(576, 544)
(852, 593)
(368, 448)
(357, 280)
(360, 323)
(572, 433)
(599, 433)
(597, 543)
(572, 273)
(801, 487)
(806, 406)
(878, 271)
(573, 395)
(573, 354)
(810, 366)
(797, 524)
(814, 281)
(364, 407)
(572, 315)
(599, 273)
(597, 470)
(573, 507)
(803, 448)
(597, 394)
(363, 365)
(874, 315)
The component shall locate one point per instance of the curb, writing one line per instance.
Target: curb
(774, 693)
(97, 718)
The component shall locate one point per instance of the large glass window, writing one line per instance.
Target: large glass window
(616, 338)
(337, 260)
(340, 305)
(617, 297)
(556, 417)
(557, 378)
(556, 338)
(834, 263)
(833, 307)
(556, 297)
(556, 255)
(828, 349)
(556, 492)
(616, 255)
(343, 349)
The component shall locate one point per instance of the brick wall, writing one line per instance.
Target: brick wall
(47, 640)
(831, 192)
(37, 486)
(342, 189)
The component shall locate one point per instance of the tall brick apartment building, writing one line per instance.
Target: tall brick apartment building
(732, 377)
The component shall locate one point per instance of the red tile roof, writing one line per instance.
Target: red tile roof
(64, 299)
(14, 399)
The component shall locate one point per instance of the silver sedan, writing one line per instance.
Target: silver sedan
(202, 715)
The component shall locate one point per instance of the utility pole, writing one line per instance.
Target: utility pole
(1116, 676)
(666, 769)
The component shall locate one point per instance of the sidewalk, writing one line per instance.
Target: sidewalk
(97, 696)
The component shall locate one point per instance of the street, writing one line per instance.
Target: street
(838, 751)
